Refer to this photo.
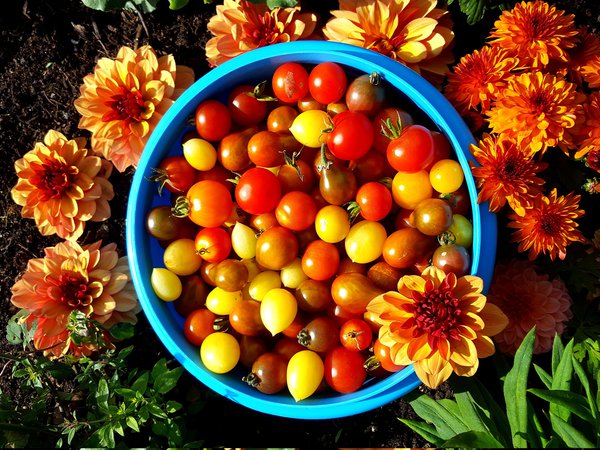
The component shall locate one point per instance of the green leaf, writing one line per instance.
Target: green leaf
(107, 436)
(104, 5)
(425, 430)
(141, 384)
(572, 437)
(57, 369)
(174, 434)
(572, 402)
(583, 379)
(159, 368)
(469, 415)
(544, 376)
(118, 428)
(177, 4)
(16, 330)
(440, 414)
(473, 439)
(156, 411)
(102, 395)
(173, 406)
(557, 352)
(168, 380)
(132, 423)
(536, 434)
(515, 390)
(159, 428)
(473, 9)
(272, 4)
(561, 380)
(127, 394)
(122, 331)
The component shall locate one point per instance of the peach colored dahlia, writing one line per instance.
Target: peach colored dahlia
(528, 298)
(437, 322)
(535, 32)
(123, 100)
(240, 26)
(413, 32)
(62, 185)
(89, 278)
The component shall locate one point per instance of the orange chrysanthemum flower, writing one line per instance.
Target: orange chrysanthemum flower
(528, 298)
(536, 32)
(505, 174)
(240, 26)
(479, 77)
(588, 136)
(91, 279)
(539, 110)
(548, 226)
(62, 185)
(123, 100)
(413, 32)
(583, 53)
(439, 323)
(591, 72)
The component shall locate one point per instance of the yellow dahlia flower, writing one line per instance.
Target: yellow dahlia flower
(439, 323)
(62, 185)
(413, 32)
(240, 26)
(89, 278)
(123, 100)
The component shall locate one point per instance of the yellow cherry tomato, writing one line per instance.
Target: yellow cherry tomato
(166, 285)
(304, 375)
(292, 274)
(263, 283)
(220, 352)
(460, 231)
(408, 189)
(446, 176)
(309, 127)
(332, 223)
(364, 243)
(200, 153)
(278, 310)
(243, 241)
(180, 257)
(221, 302)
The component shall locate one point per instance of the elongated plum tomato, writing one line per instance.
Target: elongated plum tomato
(258, 191)
(278, 310)
(304, 374)
(351, 137)
(290, 82)
(209, 203)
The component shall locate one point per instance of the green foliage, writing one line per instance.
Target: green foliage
(569, 404)
(145, 6)
(17, 331)
(475, 10)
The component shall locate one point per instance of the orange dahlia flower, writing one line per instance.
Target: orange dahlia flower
(437, 322)
(539, 110)
(413, 32)
(62, 185)
(123, 100)
(548, 226)
(90, 278)
(535, 32)
(479, 77)
(528, 298)
(505, 173)
(240, 26)
(588, 136)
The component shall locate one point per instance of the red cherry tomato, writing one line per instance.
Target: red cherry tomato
(296, 211)
(374, 200)
(382, 353)
(213, 244)
(320, 260)
(327, 82)
(213, 120)
(245, 109)
(257, 191)
(412, 151)
(441, 148)
(344, 371)
(356, 335)
(198, 324)
(265, 149)
(296, 177)
(210, 203)
(175, 174)
(397, 117)
(290, 82)
(351, 137)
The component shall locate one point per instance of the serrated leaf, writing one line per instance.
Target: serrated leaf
(102, 395)
(425, 430)
(472, 439)
(132, 423)
(168, 380)
(473, 9)
(569, 434)
(177, 4)
(572, 402)
(544, 376)
(515, 390)
(16, 331)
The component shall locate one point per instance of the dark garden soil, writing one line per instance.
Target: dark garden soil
(46, 48)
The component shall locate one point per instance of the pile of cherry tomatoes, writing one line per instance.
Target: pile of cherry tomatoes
(294, 203)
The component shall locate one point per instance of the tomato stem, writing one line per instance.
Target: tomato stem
(375, 79)
(446, 238)
(291, 161)
(221, 323)
(304, 337)
(182, 207)
(324, 163)
(353, 209)
(252, 379)
(259, 93)
(386, 181)
(392, 129)
(371, 364)
(161, 177)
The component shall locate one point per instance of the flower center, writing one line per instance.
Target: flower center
(437, 312)
(53, 178)
(266, 33)
(387, 46)
(540, 102)
(550, 224)
(126, 105)
(74, 291)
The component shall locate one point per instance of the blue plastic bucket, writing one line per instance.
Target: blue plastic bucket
(145, 253)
